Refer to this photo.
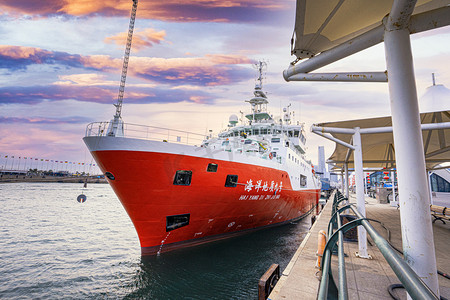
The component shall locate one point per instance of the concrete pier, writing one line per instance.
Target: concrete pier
(366, 278)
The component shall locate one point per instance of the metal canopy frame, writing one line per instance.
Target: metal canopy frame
(394, 30)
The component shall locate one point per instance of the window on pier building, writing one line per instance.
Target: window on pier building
(231, 181)
(439, 184)
(212, 167)
(182, 177)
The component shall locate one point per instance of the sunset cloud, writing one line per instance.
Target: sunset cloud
(210, 70)
(141, 39)
(19, 57)
(95, 94)
(165, 10)
(42, 120)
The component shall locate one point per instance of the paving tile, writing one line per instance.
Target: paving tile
(366, 279)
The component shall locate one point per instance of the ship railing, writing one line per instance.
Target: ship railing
(328, 289)
(147, 133)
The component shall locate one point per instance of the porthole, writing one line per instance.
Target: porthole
(212, 167)
(177, 221)
(182, 178)
(110, 176)
(231, 181)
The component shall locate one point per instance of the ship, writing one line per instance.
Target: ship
(182, 189)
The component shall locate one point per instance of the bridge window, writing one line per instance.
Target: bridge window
(302, 180)
(275, 140)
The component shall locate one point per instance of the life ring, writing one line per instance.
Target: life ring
(270, 155)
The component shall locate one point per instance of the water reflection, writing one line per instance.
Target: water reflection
(227, 269)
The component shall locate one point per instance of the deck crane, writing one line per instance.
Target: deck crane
(116, 125)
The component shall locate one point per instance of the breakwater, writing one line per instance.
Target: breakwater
(47, 178)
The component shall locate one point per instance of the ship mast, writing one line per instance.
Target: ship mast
(259, 101)
(116, 126)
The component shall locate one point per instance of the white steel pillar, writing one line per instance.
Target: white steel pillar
(342, 182)
(417, 232)
(394, 201)
(360, 201)
(429, 186)
(346, 179)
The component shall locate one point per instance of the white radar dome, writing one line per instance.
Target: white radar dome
(233, 119)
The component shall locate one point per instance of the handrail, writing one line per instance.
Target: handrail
(415, 287)
(148, 133)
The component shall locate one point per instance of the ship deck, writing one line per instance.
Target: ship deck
(366, 279)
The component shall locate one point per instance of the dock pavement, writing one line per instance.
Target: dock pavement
(367, 279)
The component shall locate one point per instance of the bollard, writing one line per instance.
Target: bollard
(321, 241)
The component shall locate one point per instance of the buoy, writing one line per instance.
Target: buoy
(81, 198)
(321, 242)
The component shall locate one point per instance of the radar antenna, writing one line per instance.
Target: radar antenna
(260, 65)
(117, 123)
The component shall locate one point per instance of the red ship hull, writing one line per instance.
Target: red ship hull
(144, 183)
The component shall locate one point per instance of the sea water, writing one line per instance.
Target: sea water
(53, 247)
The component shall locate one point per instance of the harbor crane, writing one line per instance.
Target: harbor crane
(116, 126)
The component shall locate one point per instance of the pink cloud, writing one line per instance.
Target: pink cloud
(19, 52)
(209, 70)
(141, 39)
(166, 10)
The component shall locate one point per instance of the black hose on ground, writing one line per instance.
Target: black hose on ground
(400, 286)
(391, 290)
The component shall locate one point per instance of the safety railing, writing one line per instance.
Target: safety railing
(328, 289)
(147, 133)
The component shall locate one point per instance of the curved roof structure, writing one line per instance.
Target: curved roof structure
(378, 148)
(323, 24)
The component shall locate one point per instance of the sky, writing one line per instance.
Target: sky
(190, 69)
